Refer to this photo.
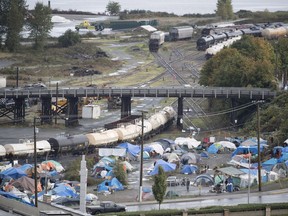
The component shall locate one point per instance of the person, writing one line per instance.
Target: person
(187, 184)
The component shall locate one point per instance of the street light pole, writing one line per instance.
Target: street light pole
(35, 164)
(259, 153)
(141, 155)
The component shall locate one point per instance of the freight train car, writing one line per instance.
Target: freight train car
(156, 40)
(181, 33)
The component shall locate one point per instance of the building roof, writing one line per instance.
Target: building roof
(148, 28)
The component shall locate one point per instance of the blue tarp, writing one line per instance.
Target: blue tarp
(283, 158)
(24, 167)
(245, 150)
(114, 183)
(167, 167)
(12, 172)
(64, 190)
(189, 169)
(213, 149)
(13, 196)
(204, 154)
(131, 149)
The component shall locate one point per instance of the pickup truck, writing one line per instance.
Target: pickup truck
(105, 207)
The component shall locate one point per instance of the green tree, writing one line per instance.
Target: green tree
(113, 7)
(159, 187)
(120, 173)
(225, 9)
(282, 57)
(15, 22)
(12, 14)
(40, 24)
(69, 38)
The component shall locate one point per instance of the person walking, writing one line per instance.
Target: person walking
(188, 184)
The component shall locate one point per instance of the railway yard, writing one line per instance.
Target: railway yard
(172, 63)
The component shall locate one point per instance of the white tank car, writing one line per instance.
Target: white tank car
(147, 126)
(27, 148)
(274, 33)
(2, 151)
(157, 120)
(170, 110)
(102, 138)
(128, 132)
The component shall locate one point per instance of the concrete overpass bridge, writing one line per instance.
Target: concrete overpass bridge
(19, 95)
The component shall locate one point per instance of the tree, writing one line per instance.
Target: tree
(12, 13)
(69, 38)
(120, 173)
(159, 187)
(40, 24)
(225, 9)
(15, 22)
(113, 8)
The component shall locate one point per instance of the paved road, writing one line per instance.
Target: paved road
(277, 196)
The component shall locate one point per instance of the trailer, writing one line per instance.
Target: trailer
(181, 33)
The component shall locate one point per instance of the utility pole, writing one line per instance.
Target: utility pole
(259, 153)
(35, 165)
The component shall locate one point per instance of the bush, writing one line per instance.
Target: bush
(69, 38)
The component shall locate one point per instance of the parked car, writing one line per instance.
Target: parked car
(172, 181)
(105, 207)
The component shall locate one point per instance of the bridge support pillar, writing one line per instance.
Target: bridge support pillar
(19, 110)
(71, 118)
(46, 111)
(180, 113)
(125, 106)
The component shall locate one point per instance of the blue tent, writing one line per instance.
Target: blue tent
(245, 150)
(283, 158)
(113, 183)
(189, 169)
(12, 172)
(214, 148)
(167, 167)
(204, 154)
(64, 190)
(131, 149)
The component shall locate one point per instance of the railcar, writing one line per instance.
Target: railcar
(27, 148)
(107, 137)
(156, 40)
(128, 132)
(75, 144)
(274, 33)
(181, 33)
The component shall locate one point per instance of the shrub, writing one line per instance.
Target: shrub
(69, 38)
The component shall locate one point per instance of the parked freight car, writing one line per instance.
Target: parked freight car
(181, 33)
(156, 40)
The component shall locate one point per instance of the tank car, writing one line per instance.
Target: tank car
(27, 148)
(156, 40)
(204, 42)
(103, 138)
(254, 31)
(233, 33)
(75, 144)
(128, 132)
(181, 33)
(274, 33)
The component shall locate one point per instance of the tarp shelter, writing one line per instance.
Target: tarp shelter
(253, 142)
(12, 172)
(167, 167)
(245, 150)
(57, 165)
(230, 171)
(204, 154)
(239, 160)
(14, 196)
(113, 184)
(64, 190)
(24, 167)
(170, 157)
(190, 158)
(155, 147)
(189, 169)
(131, 149)
(167, 143)
(112, 152)
(25, 183)
(187, 141)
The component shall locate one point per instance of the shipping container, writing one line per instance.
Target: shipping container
(91, 111)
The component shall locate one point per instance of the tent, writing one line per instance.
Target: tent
(167, 167)
(214, 148)
(167, 143)
(155, 147)
(170, 157)
(130, 149)
(189, 169)
(55, 164)
(204, 180)
(190, 158)
(204, 154)
(239, 160)
(12, 172)
(64, 190)
(113, 184)
(189, 142)
(227, 144)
